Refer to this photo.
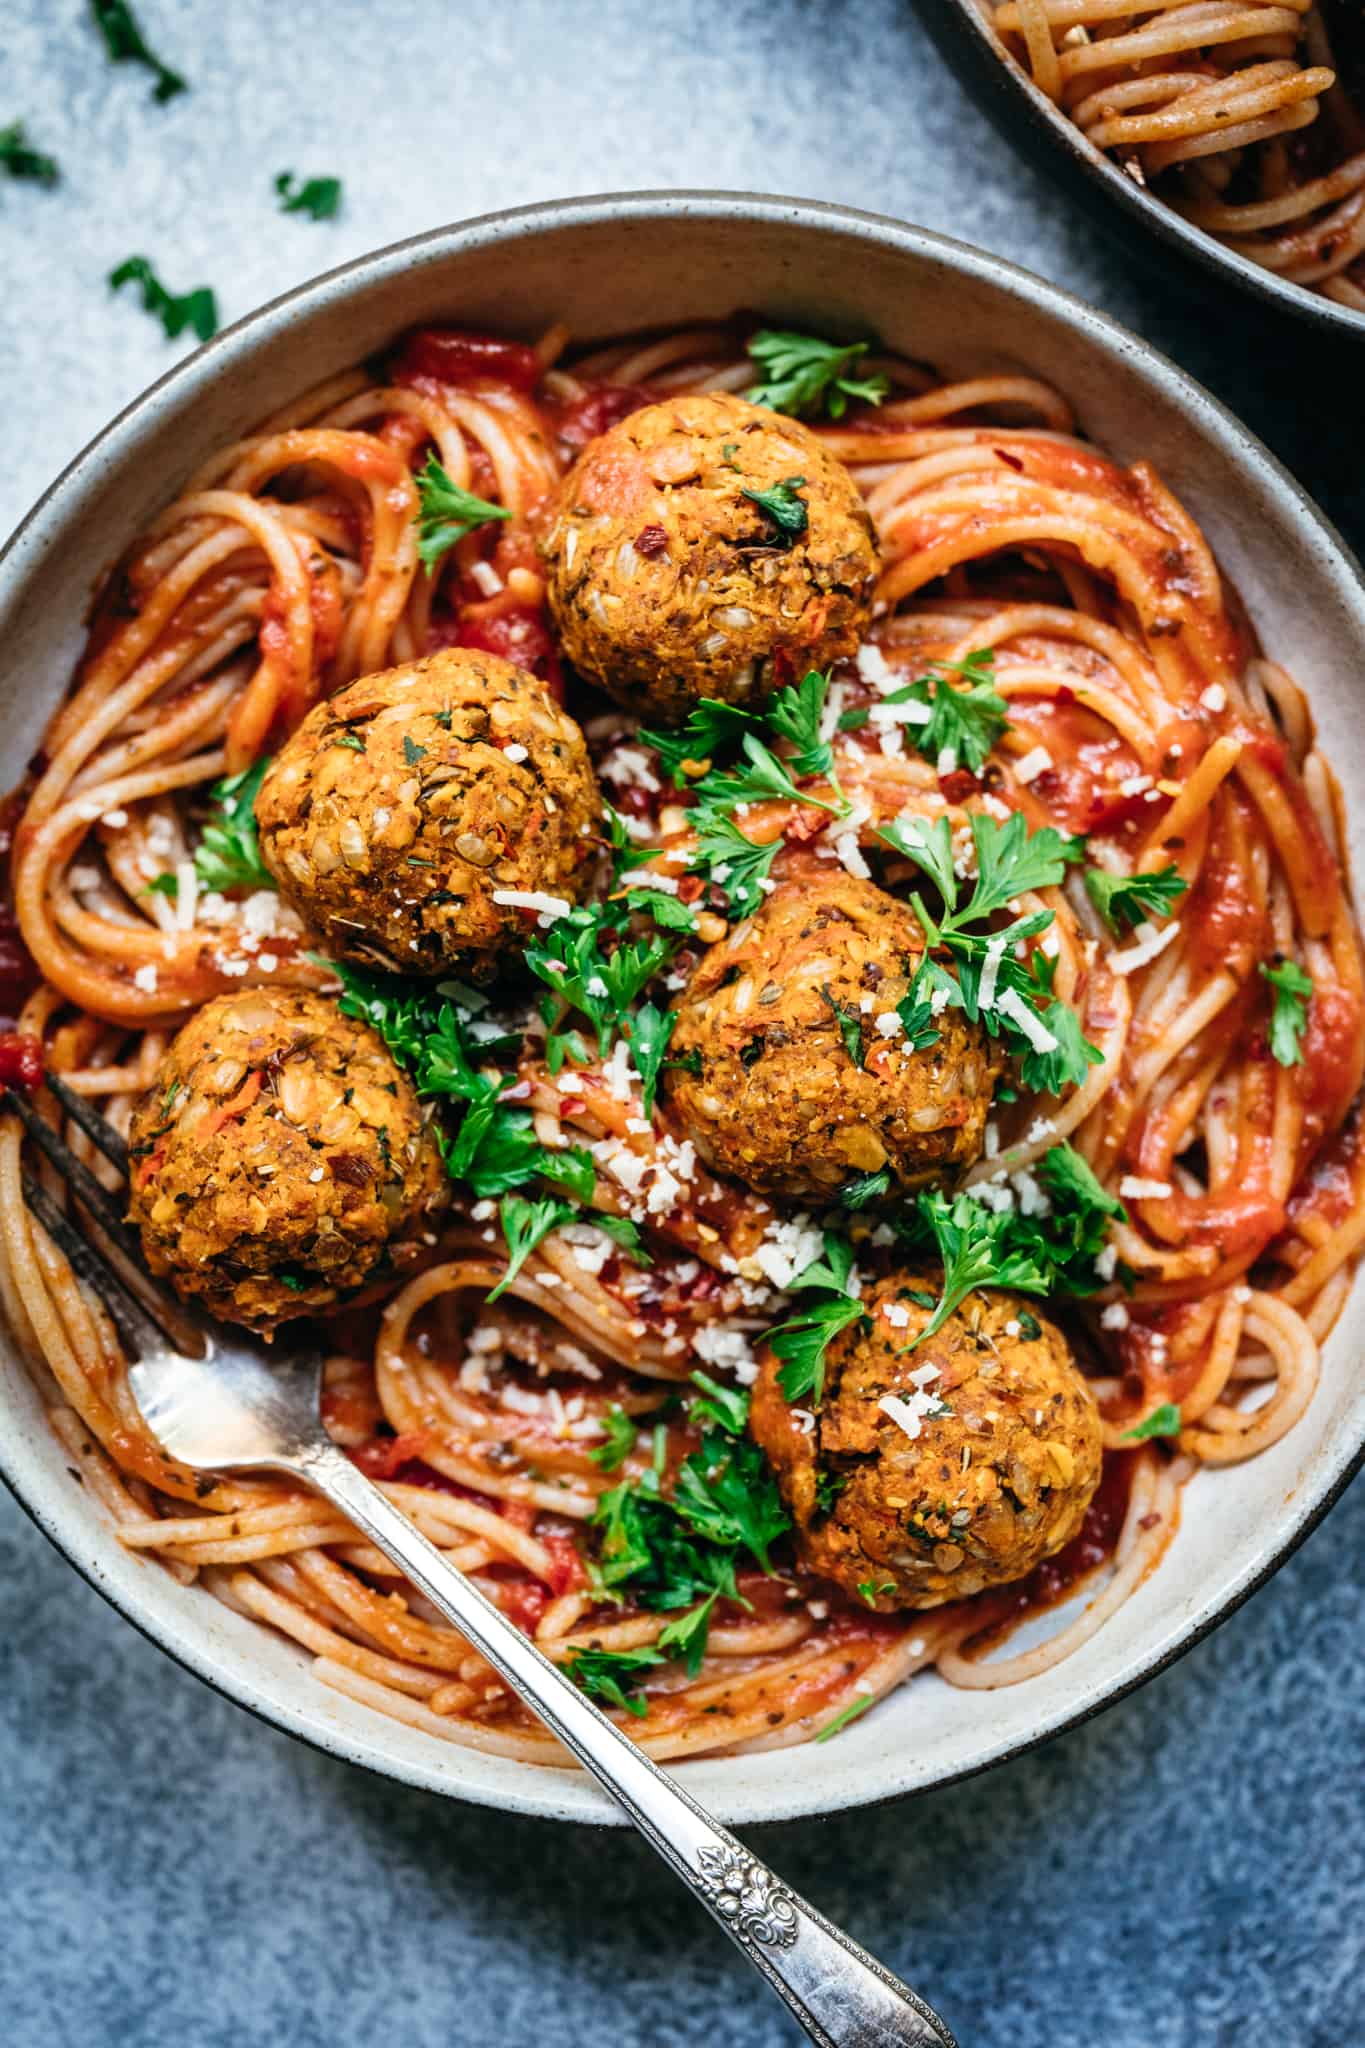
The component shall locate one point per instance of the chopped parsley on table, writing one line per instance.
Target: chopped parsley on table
(319, 198)
(197, 310)
(803, 375)
(125, 42)
(21, 160)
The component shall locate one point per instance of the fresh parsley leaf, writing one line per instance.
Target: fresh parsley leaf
(850, 1025)
(711, 727)
(873, 1590)
(833, 1268)
(1048, 1073)
(788, 513)
(648, 1550)
(665, 909)
(930, 846)
(726, 1493)
(865, 1188)
(525, 1225)
(795, 713)
(1052, 1254)
(570, 960)
(626, 1233)
(1289, 1017)
(446, 512)
(125, 42)
(22, 161)
(495, 1149)
(761, 778)
(1012, 860)
(976, 1247)
(197, 310)
(167, 885)
(916, 1008)
(1082, 1211)
(738, 865)
(802, 374)
(509, 1154)
(649, 1041)
(687, 1636)
(964, 722)
(1163, 1421)
(625, 854)
(619, 1441)
(851, 1712)
(803, 1340)
(320, 198)
(1128, 899)
(612, 1675)
(229, 854)
(728, 1407)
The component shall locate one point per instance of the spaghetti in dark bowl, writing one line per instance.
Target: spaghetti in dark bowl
(806, 1128)
(1231, 130)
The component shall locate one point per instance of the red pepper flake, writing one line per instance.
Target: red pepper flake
(1010, 461)
(651, 540)
(21, 1061)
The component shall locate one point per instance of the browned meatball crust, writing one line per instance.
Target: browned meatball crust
(406, 808)
(668, 584)
(782, 1074)
(998, 1477)
(281, 1160)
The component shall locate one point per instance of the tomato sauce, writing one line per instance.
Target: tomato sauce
(517, 632)
(450, 355)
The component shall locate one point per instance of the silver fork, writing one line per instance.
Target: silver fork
(240, 1405)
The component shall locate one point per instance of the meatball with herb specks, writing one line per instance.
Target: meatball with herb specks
(281, 1160)
(790, 1068)
(671, 578)
(410, 812)
(938, 1472)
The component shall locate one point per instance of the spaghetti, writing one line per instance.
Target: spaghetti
(1245, 115)
(1140, 713)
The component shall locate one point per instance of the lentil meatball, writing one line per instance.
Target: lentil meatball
(280, 1160)
(408, 804)
(791, 1084)
(998, 1478)
(668, 584)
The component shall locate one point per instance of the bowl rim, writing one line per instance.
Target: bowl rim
(1011, 95)
(552, 1794)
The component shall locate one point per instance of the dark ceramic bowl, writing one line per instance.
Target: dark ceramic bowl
(1157, 234)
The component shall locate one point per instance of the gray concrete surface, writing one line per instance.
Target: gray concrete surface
(1185, 1872)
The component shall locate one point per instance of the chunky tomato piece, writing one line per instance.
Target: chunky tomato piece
(452, 356)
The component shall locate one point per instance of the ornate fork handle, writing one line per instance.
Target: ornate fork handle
(841, 1995)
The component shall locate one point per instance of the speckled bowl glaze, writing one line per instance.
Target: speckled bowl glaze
(646, 260)
(1158, 235)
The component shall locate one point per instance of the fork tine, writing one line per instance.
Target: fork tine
(134, 1324)
(96, 1128)
(107, 1212)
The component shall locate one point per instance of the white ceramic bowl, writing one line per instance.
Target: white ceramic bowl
(608, 265)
